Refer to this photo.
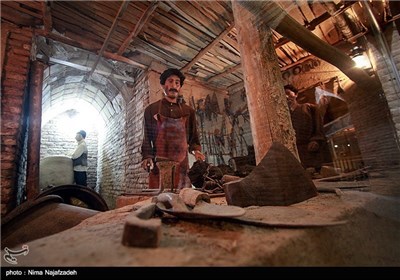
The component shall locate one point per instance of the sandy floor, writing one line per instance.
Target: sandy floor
(369, 237)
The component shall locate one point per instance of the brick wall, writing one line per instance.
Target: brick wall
(375, 113)
(111, 168)
(386, 75)
(135, 177)
(13, 94)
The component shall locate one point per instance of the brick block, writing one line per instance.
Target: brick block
(141, 233)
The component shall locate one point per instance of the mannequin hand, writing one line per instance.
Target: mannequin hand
(198, 155)
(148, 164)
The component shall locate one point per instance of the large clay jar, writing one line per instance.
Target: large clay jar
(55, 171)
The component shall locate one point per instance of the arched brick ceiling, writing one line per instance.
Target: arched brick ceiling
(68, 85)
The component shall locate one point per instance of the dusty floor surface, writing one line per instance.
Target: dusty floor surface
(369, 237)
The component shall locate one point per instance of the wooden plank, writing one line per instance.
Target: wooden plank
(215, 23)
(186, 27)
(187, 32)
(222, 51)
(194, 10)
(154, 52)
(90, 26)
(70, 17)
(223, 60)
(74, 33)
(225, 72)
(87, 24)
(183, 12)
(221, 9)
(47, 21)
(81, 43)
(16, 6)
(34, 131)
(167, 44)
(263, 86)
(216, 60)
(88, 69)
(124, 59)
(231, 45)
(16, 17)
(32, 4)
(89, 46)
(205, 50)
(61, 24)
(190, 49)
(121, 11)
(138, 27)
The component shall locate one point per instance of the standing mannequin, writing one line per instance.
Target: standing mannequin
(170, 131)
(308, 125)
(79, 159)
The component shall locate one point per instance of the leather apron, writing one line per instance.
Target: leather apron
(171, 146)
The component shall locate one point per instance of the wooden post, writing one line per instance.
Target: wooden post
(269, 113)
(34, 130)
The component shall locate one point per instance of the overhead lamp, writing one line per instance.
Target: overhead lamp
(360, 57)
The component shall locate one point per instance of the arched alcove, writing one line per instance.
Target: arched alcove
(75, 99)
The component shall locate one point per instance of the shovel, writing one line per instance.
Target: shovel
(192, 204)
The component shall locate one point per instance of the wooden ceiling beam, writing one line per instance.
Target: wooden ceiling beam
(47, 21)
(88, 46)
(16, 6)
(139, 26)
(121, 11)
(121, 58)
(189, 18)
(226, 72)
(187, 67)
(87, 69)
(32, 4)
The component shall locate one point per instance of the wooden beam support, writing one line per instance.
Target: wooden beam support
(227, 71)
(34, 130)
(124, 59)
(139, 26)
(87, 69)
(187, 67)
(266, 99)
(121, 11)
(88, 46)
(47, 21)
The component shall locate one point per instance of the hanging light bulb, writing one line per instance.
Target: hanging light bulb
(361, 58)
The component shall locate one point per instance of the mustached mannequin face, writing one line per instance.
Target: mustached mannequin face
(171, 88)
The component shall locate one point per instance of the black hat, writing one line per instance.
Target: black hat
(82, 132)
(169, 72)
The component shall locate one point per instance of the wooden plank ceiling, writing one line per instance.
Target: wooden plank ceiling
(198, 37)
